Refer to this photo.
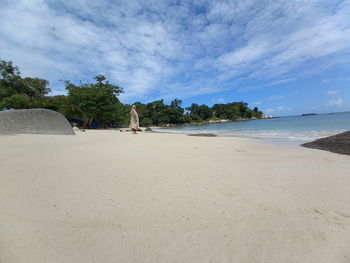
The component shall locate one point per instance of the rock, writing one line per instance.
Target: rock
(203, 134)
(148, 129)
(339, 143)
(34, 121)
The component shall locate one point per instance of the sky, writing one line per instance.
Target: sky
(285, 57)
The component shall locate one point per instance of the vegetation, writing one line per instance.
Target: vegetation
(93, 102)
(98, 104)
(20, 93)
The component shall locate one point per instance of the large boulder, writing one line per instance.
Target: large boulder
(34, 121)
(339, 143)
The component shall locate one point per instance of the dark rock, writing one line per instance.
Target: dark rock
(203, 134)
(148, 129)
(34, 121)
(339, 143)
(309, 114)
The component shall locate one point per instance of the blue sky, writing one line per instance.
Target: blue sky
(284, 56)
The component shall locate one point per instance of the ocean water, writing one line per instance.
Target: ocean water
(291, 130)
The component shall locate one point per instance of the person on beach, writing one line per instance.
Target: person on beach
(134, 119)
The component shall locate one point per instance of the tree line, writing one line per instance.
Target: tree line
(97, 104)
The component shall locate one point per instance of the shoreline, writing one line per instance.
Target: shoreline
(268, 140)
(221, 121)
(291, 130)
(265, 140)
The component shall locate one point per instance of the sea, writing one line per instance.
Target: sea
(285, 130)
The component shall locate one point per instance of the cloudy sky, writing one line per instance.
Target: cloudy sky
(284, 56)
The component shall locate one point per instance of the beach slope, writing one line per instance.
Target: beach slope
(106, 196)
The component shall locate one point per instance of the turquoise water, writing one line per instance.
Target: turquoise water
(294, 129)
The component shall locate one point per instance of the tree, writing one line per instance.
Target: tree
(35, 87)
(32, 90)
(93, 102)
(157, 112)
(176, 104)
(56, 103)
(235, 110)
(193, 109)
(192, 118)
(98, 102)
(243, 108)
(256, 113)
(176, 112)
(146, 122)
(16, 101)
(204, 112)
(232, 111)
(9, 79)
(219, 110)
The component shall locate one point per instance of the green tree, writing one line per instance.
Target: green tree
(36, 89)
(123, 113)
(16, 101)
(235, 110)
(219, 110)
(192, 118)
(176, 112)
(243, 108)
(176, 104)
(93, 102)
(157, 112)
(10, 79)
(145, 122)
(256, 113)
(193, 109)
(56, 103)
(32, 90)
(204, 112)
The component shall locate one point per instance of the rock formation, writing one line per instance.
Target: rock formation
(339, 143)
(34, 121)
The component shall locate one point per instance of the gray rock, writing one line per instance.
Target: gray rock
(34, 121)
(148, 129)
(339, 143)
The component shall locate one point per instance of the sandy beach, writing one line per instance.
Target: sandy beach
(108, 196)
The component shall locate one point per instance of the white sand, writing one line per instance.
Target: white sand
(106, 196)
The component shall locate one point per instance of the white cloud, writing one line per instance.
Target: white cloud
(218, 100)
(336, 102)
(55, 44)
(245, 55)
(278, 110)
(280, 81)
(285, 49)
(257, 103)
(162, 48)
(332, 92)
